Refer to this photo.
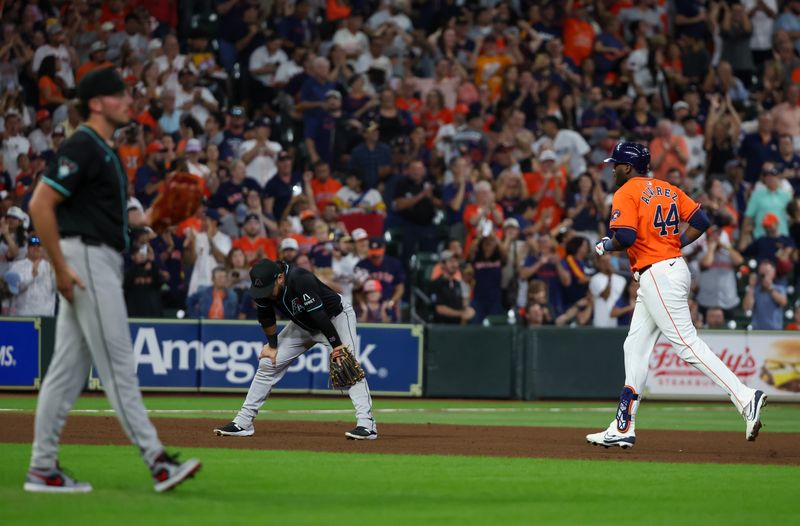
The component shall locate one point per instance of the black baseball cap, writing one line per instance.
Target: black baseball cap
(100, 83)
(262, 278)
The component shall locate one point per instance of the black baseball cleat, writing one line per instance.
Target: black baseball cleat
(361, 433)
(168, 472)
(232, 429)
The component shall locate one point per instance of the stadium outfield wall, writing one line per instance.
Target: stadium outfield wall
(503, 362)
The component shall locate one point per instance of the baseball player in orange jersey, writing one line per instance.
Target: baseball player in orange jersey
(645, 218)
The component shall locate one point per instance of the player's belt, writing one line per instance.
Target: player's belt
(638, 274)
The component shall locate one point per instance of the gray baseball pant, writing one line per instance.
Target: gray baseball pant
(92, 328)
(292, 342)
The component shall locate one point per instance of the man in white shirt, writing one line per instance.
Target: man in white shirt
(171, 62)
(762, 15)
(570, 147)
(14, 143)
(205, 250)
(292, 67)
(41, 138)
(259, 154)
(606, 288)
(196, 100)
(66, 56)
(374, 58)
(36, 288)
(266, 60)
(350, 38)
(193, 164)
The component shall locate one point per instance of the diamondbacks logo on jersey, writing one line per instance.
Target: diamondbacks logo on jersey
(297, 306)
(66, 167)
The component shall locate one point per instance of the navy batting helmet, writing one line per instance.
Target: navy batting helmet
(632, 153)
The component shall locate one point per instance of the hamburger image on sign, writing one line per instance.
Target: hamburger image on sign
(782, 366)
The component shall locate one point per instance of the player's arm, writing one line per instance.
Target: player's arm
(312, 303)
(266, 318)
(692, 213)
(621, 238)
(624, 218)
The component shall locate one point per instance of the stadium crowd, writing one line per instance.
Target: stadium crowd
(437, 159)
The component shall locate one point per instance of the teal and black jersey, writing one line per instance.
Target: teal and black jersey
(90, 176)
(305, 300)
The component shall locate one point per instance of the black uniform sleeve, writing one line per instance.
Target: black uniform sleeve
(266, 318)
(70, 166)
(312, 305)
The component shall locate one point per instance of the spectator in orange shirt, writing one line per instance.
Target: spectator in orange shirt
(434, 115)
(667, 151)
(254, 245)
(547, 187)
(131, 151)
(97, 60)
(483, 216)
(578, 33)
(407, 99)
(305, 239)
(321, 188)
(51, 95)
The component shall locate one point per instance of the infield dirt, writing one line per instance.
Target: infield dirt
(429, 439)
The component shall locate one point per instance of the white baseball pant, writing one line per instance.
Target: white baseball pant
(662, 307)
(292, 342)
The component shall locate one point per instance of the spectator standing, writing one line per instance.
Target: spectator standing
(762, 15)
(759, 147)
(765, 298)
(260, 153)
(372, 159)
(14, 143)
(343, 266)
(168, 250)
(447, 297)
(788, 162)
(769, 198)
(416, 201)
(773, 246)
(484, 216)
(279, 190)
(142, 284)
(150, 175)
(606, 288)
(569, 146)
(36, 287)
(65, 56)
(205, 250)
(667, 151)
(547, 267)
(577, 249)
(719, 262)
(487, 258)
(387, 270)
(321, 188)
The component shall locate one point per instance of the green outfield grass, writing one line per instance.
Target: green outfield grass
(652, 415)
(277, 487)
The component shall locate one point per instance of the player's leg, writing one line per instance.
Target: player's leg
(345, 324)
(666, 295)
(637, 348)
(62, 385)
(103, 319)
(292, 342)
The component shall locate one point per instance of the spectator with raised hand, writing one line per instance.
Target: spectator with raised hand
(447, 293)
(484, 216)
(570, 147)
(547, 186)
(579, 314)
(719, 262)
(722, 134)
(142, 282)
(217, 301)
(260, 153)
(765, 298)
(205, 250)
(584, 204)
(190, 98)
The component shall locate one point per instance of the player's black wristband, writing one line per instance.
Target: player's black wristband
(272, 340)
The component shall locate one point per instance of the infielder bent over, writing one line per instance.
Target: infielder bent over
(645, 218)
(317, 315)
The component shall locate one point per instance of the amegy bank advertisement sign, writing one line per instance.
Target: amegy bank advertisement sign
(769, 361)
(211, 356)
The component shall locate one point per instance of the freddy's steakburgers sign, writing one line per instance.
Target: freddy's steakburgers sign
(781, 367)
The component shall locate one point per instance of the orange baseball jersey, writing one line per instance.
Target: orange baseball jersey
(654, 209)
